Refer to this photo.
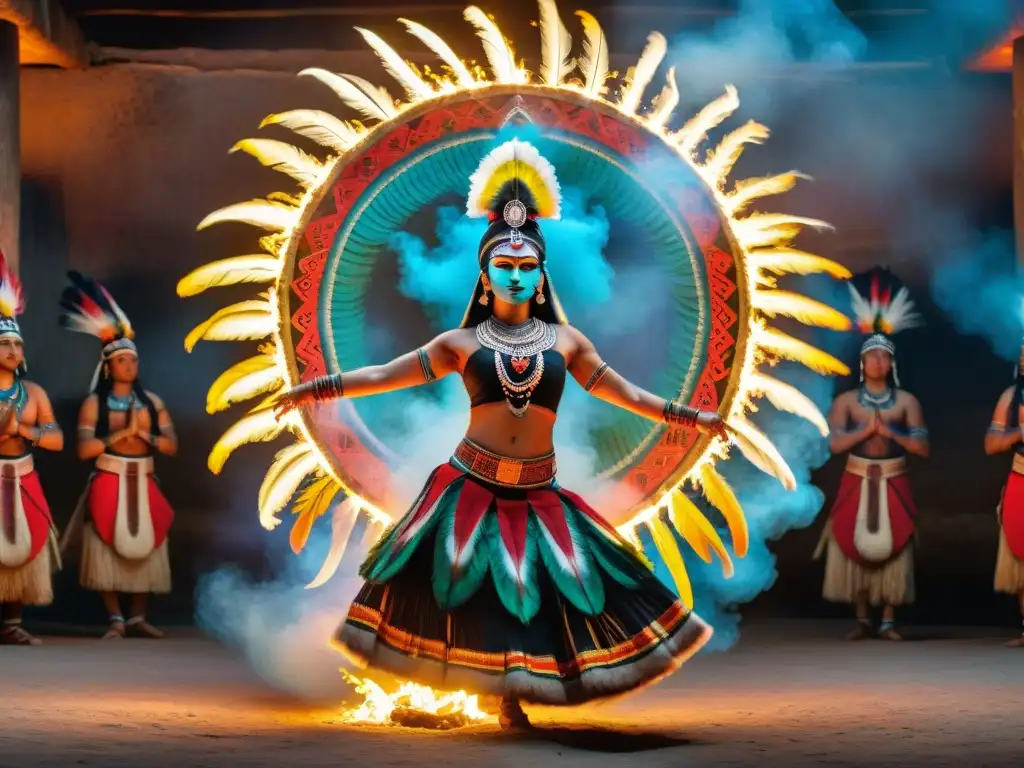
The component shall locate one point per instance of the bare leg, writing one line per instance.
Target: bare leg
(863, 629)
(512, 715)
(116, 629)
(1018, 642)
(11, 632)
(137, 624)
(888, 629)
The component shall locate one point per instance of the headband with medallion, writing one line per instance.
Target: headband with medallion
(89, 308)
(513, 187)
(882, 308)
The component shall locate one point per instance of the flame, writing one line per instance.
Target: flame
(380, 707)
(764, 241)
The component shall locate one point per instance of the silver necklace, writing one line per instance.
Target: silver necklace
(524, 345)
(881, 401)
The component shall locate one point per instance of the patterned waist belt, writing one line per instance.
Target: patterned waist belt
(501, 470)
(876, 468)
(118, 464)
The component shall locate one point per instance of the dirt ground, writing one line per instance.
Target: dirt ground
(787, 695)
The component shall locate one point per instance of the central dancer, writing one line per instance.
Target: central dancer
(571, 611)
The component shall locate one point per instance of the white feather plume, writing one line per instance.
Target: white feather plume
(651, 58)
(397, 67)
(343, 520)
(499, 53)
(523, 152)
(668, 99)
(594, 62)
(434, 42)
(556, 45)
(319, 126)
(370, 100)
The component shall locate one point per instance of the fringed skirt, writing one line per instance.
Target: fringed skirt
(1009, 569)
(103, 570)
(888, 583)
(32, 583)
(513, 592)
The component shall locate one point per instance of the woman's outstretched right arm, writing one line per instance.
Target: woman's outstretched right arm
(433, 361)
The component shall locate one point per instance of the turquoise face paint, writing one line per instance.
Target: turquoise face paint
(514, 279)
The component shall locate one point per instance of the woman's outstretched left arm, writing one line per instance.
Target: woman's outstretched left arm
(599, 380)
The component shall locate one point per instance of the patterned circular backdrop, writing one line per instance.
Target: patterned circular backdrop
(407, 165)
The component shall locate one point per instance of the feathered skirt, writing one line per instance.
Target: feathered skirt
(512, 591)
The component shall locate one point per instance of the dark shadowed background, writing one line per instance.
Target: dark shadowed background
(123, 159)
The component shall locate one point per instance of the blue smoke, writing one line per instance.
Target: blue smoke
(982, 291)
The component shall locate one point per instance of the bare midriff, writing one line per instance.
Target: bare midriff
(495, 429)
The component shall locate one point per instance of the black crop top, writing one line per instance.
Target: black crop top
(481, 379)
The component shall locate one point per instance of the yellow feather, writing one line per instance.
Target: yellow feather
(666, 102)
(729, 149)
(761, 229)
(272, 216)
(800, 308)
(556, 45)
(760, 452)
(397, 67)
(243, 381)
(256, 268)
(257, 426)
(788, 398)
(500, 54)
(283, 157)
(784, 346)
(311, 504)
(594, 62)
(698, 531)
(694, 131)
(745, 191)
(717, 491)
(322, 127)
(242, 321)
(443, 50)
(291, 466)
(782, 261)
(343, 520)
(641, 75)
(666, 545)
(529, 177)
(370, 100)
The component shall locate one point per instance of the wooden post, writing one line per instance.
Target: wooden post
(1018, 145)
(10, 143)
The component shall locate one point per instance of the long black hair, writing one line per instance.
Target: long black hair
(103, 389)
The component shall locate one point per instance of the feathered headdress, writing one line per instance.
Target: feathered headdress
(89, 308)
(882, 307)
(12, 300)
(512, 188)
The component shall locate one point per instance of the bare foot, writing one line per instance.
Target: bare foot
(116, 631)
(512, 716)
(1016, 642)
(862, 632)
(139, 627)
(17, 636)
(890, 634)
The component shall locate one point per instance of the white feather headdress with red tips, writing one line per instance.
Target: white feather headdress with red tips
(89, 308)
(882, 307)
(12, 300)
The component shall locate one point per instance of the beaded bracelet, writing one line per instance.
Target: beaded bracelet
(327, 387)
(677, 413)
